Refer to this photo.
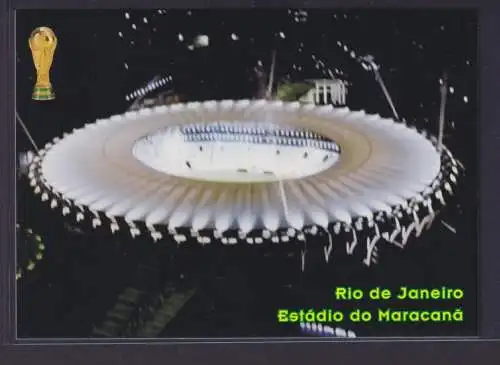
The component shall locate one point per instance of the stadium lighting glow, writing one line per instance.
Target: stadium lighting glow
(235, 172)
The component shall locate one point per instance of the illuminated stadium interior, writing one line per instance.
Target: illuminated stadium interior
(237, 152)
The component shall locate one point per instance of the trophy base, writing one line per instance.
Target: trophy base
(43, 93)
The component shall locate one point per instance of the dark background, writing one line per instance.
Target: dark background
(91, 81)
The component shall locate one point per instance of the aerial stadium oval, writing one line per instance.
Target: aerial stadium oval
(119, 165)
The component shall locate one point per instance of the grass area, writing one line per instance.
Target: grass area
(292, 91)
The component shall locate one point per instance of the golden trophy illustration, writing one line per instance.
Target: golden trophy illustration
(43, 43)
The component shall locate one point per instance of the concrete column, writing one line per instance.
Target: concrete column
(325, 92)
(310, 96)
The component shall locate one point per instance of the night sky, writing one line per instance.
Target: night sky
(102, 56)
